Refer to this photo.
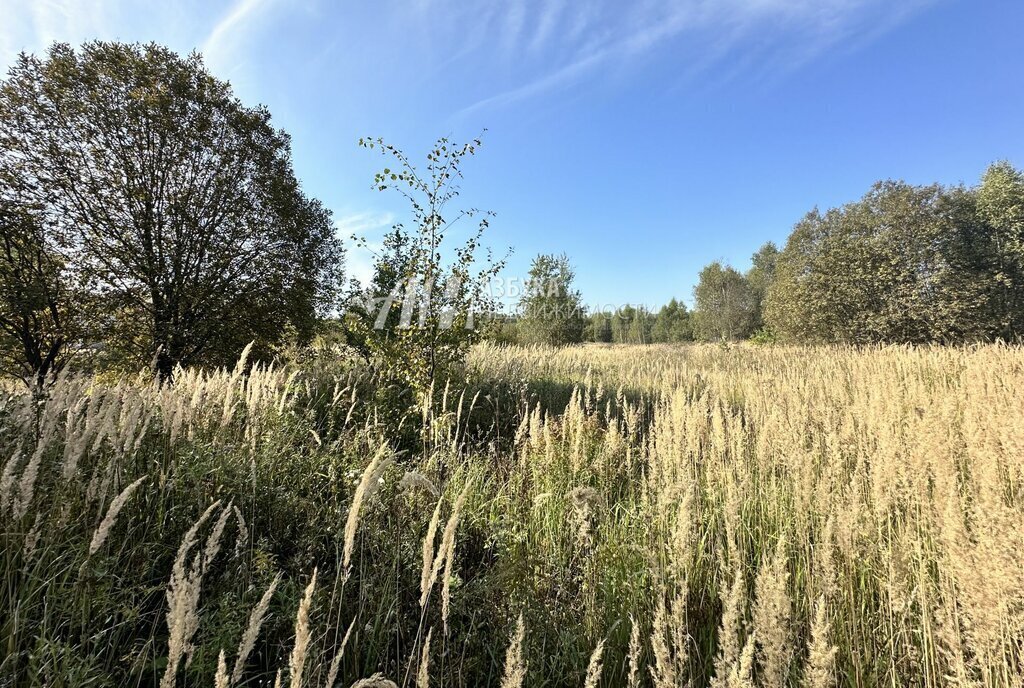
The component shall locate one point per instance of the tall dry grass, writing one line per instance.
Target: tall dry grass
(657, 516)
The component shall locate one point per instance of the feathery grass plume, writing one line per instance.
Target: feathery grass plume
(7, 481)
(368, 485)
(229, 407)
(32, 537)
(681, 543)
(277, 679)
(670, 642)
(949, 638)
(633, 681)
(190, 538)
(216, 534)
(594, 667)
(741, 675)
(297, 662)
(103, 530)
(428, 552)
(27, 484)
(183, 602)
(823, 565)
(378, 680)
(663, 673)
(988, 567)
(423, 675)
(515, 661)
(220, 680)
(729, 632)
(772, 615)
(521, 431)
(252, 631)
(332, 673)
(447, 549)
(243, 533)
(182, 618)
(75, 437)
(536, 428)
(446, 579)
(414, 480)
(177, 417)
(821, 655)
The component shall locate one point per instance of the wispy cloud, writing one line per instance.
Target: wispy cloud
(370, 226)
(361, 223)
(32, 27)
(552, 48)
(231, 30)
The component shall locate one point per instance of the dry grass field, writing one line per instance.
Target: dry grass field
(589, 516)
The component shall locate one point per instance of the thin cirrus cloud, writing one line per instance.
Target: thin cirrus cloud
(219, 32)
(31, 27)
(555, 45)
(223, 42)
(525, 47)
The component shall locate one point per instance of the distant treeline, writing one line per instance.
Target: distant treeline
(904, 264)
(148, 216)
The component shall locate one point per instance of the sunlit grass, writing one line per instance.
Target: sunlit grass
(726, 516)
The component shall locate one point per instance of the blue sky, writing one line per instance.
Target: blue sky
(643, 138)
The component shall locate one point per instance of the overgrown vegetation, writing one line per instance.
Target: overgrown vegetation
(414, 320)
(400, 504)
(702, 515)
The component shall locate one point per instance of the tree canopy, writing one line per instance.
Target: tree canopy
(37, 313)
(906, 264)
(178, 203)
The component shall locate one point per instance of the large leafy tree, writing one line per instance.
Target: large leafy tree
(903, 264)
(598, 327)
(178, 201)
(760, 276)
(551, 310)
(1001, 205)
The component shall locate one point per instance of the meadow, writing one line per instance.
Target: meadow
(581, 516)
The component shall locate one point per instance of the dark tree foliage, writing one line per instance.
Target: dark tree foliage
(632, 325)
(599, 328)
(37, 318)
(672, 324)
(637, 325)
(905, 264)
(1000, 207)
(179, 202)
(760, 275)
